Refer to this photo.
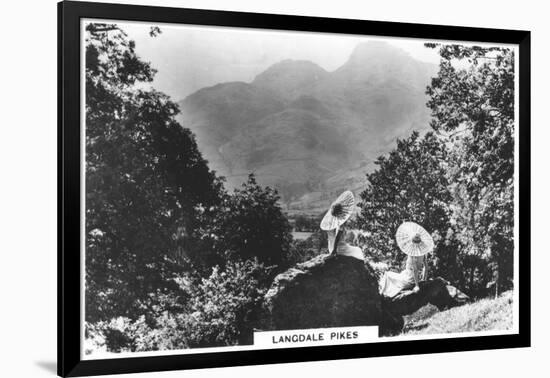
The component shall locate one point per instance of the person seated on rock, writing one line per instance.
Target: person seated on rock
(333, 223)
(416, 243)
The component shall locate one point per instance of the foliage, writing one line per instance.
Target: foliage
(473, 108)
(223, 303)
(456, 181)
(408, 185)
(119, 334)
(219, 313)
(173, 260)
(139, 199)
(248, 224)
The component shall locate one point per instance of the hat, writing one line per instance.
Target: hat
(338, 213)
(413, 239)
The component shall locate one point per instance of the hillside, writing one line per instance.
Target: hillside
(483, 315)
(299, 127)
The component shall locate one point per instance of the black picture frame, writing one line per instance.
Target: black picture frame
(69, 152)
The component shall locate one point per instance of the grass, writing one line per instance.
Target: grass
(483, 315)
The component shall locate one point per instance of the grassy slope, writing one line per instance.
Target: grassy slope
(483, 315)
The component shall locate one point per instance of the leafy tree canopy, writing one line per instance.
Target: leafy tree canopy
(145, 179)
(473, 107)
(409, 185)
(250, 224)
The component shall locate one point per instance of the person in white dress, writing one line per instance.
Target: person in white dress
(342, 244)
(333, 223)
(416, 242)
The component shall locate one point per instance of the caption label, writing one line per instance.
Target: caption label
(315, 337)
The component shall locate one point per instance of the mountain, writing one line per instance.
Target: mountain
(291, 78)
(309, 132)
(216, 114)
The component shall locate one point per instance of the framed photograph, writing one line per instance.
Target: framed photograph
(239, 188)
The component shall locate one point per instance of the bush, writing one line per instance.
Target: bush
(220, 312)
(223, 303)
(120, 334)
(249, 224)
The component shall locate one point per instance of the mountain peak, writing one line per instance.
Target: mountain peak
(289, 78)
(379, 51)
(292, 64)
(377, 62)
(298, 127)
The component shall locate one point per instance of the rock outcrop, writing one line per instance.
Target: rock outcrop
(326, 291)
(339, 291)
(437, 292)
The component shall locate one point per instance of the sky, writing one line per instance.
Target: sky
(189, 58)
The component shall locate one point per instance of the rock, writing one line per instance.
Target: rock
(437, 292)
(391, 324)
(326, 291)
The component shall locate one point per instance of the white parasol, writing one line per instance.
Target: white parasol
(338, 213)
(413, 239)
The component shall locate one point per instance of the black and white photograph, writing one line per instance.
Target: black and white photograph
(256, 189)
(290, 188)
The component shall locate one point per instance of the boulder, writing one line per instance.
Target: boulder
(326, 291)
(437, 292)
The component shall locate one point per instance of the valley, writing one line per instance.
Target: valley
(308, 132)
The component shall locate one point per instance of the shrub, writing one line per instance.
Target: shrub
(248, 224)
(219, 312)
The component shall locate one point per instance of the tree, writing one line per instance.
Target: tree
(472, 106)
(249, 224)
(409, 184)
(139, 198)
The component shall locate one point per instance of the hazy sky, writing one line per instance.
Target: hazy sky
(192, 57)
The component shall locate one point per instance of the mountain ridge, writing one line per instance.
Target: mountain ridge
(297, 125)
